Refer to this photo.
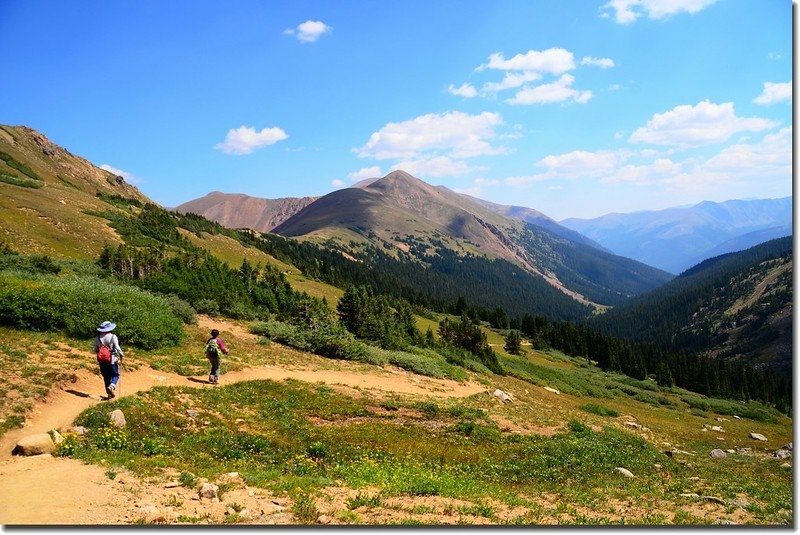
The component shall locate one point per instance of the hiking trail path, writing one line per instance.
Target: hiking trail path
(47, 490)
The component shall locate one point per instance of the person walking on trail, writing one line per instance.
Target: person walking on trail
(109, 356)
(215, 347)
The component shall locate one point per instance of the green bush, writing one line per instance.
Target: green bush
(599, 410)
(181, 309)
(78, 304)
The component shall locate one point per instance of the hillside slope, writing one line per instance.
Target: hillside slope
(237, 210)
(737, 305)
(677, 238)
(47, 196)
(401, 213)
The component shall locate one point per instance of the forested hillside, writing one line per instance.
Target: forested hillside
(737, 305)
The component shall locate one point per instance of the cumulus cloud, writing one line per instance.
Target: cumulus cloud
(775, 93)
(309, 31)
(436, 166)
(772, 156)
(454, 134)
(603, 63)
(337, 183)
(557, 91)
(510, 81)
(365, 173)
(553, 61)
(660, 169)
(466, 90)
(694, 126)
(245, 139)
(628, 11)
(130, 178)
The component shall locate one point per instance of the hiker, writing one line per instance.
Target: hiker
(109, 355)
(214, 347)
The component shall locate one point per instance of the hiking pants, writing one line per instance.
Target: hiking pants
(215, 361)
(110, 372)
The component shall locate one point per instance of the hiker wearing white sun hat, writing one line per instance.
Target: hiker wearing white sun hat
(106, 347)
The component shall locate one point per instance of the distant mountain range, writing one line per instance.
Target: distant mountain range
(678, 238)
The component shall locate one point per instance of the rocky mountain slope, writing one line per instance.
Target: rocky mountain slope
(678, 238)
(48, 196)
(404, 214)
(237, 210)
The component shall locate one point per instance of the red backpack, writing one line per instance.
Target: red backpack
(104, 353)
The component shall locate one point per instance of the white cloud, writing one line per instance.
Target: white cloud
(510, 81)
(130, 178)
(309, 31)
(694, 126)
(454, 134)
(436, 166)
(627, 11)
(603, 63)
(772, 156)
(245, 139)
(614, 87)
(557, 91)
(365, 173)
(478, 187)
(775, 92)
(579, 164)
(337, 183)
(466, 90)
(553, 60)
(662, 168)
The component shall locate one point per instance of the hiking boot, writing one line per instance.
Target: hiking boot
(211, 379)
(110, 392)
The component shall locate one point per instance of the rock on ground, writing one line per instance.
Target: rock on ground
(117, 418)
(35, 445)
(758, 436)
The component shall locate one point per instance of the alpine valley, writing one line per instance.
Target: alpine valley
(400, 353)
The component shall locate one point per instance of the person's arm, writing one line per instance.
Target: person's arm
(115, 345)
(96, 344)
(221, 345)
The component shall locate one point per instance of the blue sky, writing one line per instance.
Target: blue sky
(575, 108)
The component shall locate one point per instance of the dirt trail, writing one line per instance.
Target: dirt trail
(42, 489)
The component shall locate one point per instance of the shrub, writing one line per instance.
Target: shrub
(79, 304)
(599, 410)
(181, 309)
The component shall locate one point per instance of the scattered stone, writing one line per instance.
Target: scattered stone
(787, 446)
(78, 430)
(271, 509)
(251, 493)
(744, 450)
(324, 519)
(786, 465)
(230, 477)
(758, 436)
(721, 419)
(117, 418)
(56, 436)
(690, 495)
(657, 466)
(632, 425)
(192, 413)
(725, 522)
(718, 429)
(37, 444)
(718, 454)
(782, 454)
(714, 499)
(625, 472)
(741, 503)
(149, 510)
(503, 396)
(244, 513)
(172, 484)
(731, 450)
(553, 390)
(737, 417)
(210, 491)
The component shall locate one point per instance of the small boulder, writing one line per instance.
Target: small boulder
(553, 390)
(192, 413)
(717, 428)
(782, 454)
(78, 430)
(209, 491)
(758, 436)
(632, 425)
(117, 418)
(56, 436)
(37, 444)
(718, 454)
(625, 472)
(505, 397)
(787, 446)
